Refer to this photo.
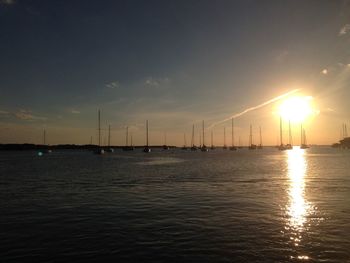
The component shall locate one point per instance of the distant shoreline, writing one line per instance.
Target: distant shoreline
(30, 146)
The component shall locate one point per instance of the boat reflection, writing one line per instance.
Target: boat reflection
(297, 208)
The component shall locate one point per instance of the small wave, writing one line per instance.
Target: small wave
(161, 161)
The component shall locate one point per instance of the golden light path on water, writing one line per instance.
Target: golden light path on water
(298, 208)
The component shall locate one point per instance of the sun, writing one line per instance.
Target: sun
(296, 109)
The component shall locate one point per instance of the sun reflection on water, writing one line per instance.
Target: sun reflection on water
(298, 208)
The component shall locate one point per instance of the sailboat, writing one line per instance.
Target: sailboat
(193, 146)
(165, 146)
(99, 150)
(185, 144)
(204, 147)
(260, 144)
(212, 147)
(251, 145)
(46, 147)
(109, 149)
(128, 147)
(281, 147)
(233, 147)
(225, 146)
(147, 149)
(303, 144)
(289, 146)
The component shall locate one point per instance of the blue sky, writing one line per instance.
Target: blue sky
(172, 62)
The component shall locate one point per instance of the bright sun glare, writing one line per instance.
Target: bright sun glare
(296, 109)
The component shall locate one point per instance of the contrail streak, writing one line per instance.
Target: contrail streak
(254, 107)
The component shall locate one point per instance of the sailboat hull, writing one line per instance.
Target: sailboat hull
(147, 150)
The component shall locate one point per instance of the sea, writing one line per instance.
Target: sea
(176, 206)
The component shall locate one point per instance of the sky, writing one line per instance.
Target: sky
(174, 63)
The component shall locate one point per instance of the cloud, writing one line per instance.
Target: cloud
(344, 30)
(4, 112)
(7, 2)
(28, 116)
(156, 82)
(75, 111)
(113, 85)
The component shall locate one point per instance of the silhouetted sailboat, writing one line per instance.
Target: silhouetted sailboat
(99, 150)
(233, 147)
(204, 147)
(165, 146)
(147, 149)
(303, 143)
(45, 146)
(212, 147)
(289, 146)
(109, 149)
(184, 147)
(281, 147)
(225, 146)
(128, 147)
(260, 144)
(193, 146)
(251, 145)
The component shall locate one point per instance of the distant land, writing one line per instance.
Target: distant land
(344, 143)
(30, 146)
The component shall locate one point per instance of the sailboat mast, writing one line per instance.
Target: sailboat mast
(44, 137)
(301, 134)
(224, 136)
(109, 135)
(290, 134)
(99, 128)
(127, 136)
(260, 136)
(212, 139)
(251, 136)
(233, 138)
(203, 132)
(130, 139)
(147, 133)
(192, 139)
(281, 139)
(346, 131)
(185, 140)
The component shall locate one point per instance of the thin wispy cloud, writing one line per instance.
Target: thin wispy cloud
(4, 112)
(75, 111)
(344, 30)
(234, 116)
(113, 85)
(156, 82)
(28, 116)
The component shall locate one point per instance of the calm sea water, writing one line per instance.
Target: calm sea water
(176, 206)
